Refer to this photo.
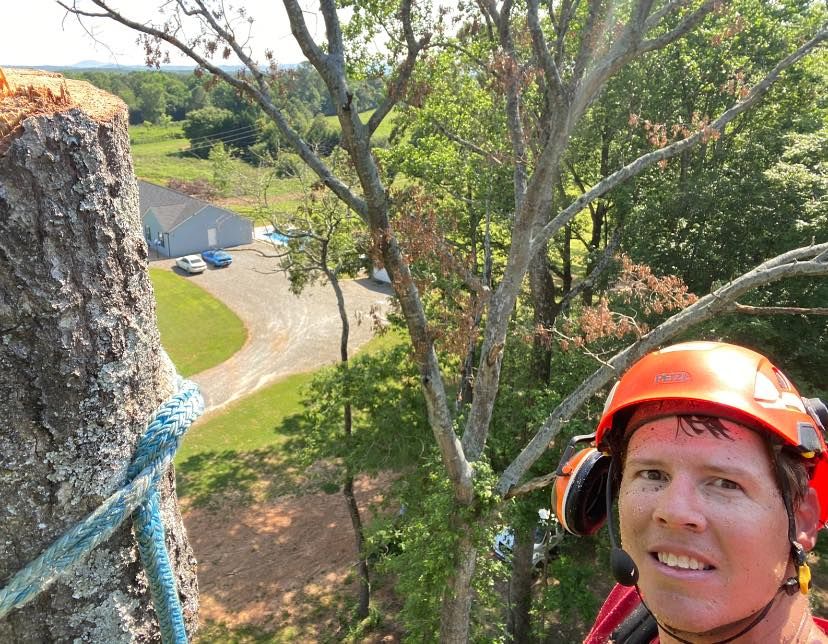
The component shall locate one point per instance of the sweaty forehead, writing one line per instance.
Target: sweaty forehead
(685, 440)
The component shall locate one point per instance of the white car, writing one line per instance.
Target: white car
(547, 536)
(191, 264)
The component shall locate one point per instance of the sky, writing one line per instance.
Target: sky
(38, 32)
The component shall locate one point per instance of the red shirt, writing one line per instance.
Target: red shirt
(621, 601)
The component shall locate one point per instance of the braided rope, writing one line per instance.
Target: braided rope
(151, 459)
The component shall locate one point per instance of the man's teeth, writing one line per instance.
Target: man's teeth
(680, 561)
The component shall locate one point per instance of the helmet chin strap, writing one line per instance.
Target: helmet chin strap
(787, 587)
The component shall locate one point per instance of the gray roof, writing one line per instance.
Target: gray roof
(171, 207)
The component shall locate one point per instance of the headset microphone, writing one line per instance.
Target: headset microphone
(623, 567)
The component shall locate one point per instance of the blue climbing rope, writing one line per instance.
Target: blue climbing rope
(152, 457)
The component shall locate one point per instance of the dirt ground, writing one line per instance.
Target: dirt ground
(286, 568)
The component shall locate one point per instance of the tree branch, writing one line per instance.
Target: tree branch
(801, 262)
(537, 483)
(300, 32)
(404, 71)
(258, 93)
(602, 265)
(489, 156)
(690, 21)
(775, 310)
(541, 49)
(637, 166)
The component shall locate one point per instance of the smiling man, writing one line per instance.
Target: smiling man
(721, 474)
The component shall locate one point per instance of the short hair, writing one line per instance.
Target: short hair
(791, 471)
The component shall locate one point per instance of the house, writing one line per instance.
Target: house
(176, 224)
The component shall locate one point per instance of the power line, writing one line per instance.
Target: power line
(198, 139)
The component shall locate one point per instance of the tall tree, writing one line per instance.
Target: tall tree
(322, 244)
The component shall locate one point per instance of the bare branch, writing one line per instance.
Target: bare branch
(231, 40)
(603, 264)
(541, 50)
(667, 9)
(300, 32)
(404, 71)
(775, 310)
(568, 9)
(637, 166)
(690, 22)
(490, 156)
(804, 263)
(537, 483)
(588, 38)
(259, 93)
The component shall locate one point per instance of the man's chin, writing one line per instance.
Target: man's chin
(693, 620)
(685, 613)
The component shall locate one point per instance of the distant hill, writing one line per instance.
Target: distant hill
(95, 65)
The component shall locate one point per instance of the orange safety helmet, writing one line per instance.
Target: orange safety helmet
(730, 381)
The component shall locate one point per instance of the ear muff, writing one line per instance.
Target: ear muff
(578, 497)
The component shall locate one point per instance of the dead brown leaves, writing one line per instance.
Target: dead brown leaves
(638, 287)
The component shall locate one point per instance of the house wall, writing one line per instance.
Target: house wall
(154, 235)
(192, 236)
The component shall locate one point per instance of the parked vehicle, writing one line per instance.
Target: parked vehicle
(547, 535)
(191, 264)
(217, 257)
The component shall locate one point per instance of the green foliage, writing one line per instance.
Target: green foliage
(208, 125)
(425, 534)
(197, 331)
(288, 165)
(581, 581)
(326, 241)
(390, 428)
(220, 160)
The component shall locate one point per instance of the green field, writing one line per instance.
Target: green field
(251, 448)
(197, 331)
(159, 155)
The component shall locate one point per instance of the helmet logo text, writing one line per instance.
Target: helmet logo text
(669, 378)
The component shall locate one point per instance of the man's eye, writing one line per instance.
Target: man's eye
(727, 484)
(652, 475)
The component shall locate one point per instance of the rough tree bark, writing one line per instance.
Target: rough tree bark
(81, 367)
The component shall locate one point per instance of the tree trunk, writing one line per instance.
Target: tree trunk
(348, 484)
(362, 563)
(457, 598)
(519, 622)
(542, 290)
(81, 367)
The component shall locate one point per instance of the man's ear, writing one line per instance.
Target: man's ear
(807, 520)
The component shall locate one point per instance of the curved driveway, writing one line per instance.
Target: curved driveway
(286, 333)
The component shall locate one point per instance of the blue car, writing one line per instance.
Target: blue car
(217, 258)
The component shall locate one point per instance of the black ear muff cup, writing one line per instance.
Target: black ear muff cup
(583, 505)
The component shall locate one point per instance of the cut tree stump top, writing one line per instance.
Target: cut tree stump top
(35, 92)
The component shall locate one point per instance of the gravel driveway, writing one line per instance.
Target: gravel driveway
(286, 333)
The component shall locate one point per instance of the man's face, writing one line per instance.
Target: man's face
(702, 518)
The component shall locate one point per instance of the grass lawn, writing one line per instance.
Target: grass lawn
(249, 451)
(157, 156)
(382, 132)
(197, 330)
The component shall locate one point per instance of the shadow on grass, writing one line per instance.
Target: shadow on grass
(222, 634)
(212, 477)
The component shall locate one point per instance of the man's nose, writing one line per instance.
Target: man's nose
(679, 505)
